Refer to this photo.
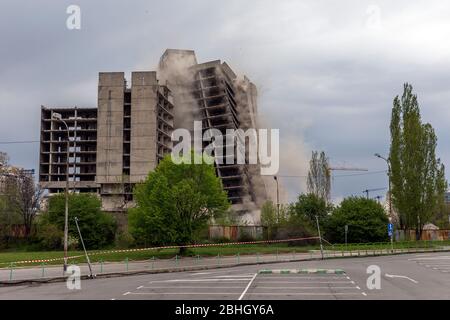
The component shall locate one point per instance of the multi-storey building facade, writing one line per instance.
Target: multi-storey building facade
(114, 146)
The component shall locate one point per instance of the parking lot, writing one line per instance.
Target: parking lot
(251, 286)
(439, 263)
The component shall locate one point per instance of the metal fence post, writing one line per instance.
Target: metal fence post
(11, 266)
(43, 269)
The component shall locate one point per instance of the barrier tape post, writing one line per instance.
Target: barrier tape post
(238, 258)
(101, 266)
(11, 271)
(176, 260)
(153, 262)
(126, 263)
(43, 269)
(277, 255)
(257, 257)
(218, 259)
(198, 259)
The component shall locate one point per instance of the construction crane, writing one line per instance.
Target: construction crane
(345, 169)
(370, 190)
(341, 168)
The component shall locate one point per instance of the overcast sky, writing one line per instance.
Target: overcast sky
(326, 71)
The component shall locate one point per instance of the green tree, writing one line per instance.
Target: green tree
(366, 219)
(272, 219)
(310, 205)
(319, 180)
(176, 202)
(417, 176)
(97, 227)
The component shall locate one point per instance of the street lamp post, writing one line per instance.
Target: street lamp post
(58, 117)
(278, 200)
(388, 162)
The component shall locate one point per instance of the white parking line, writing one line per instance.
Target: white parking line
(191, 287)
(431, 258)
(204, 280)
(184, 293)
(308, 288)
(248, 286)
(307, 294)
(309, 282)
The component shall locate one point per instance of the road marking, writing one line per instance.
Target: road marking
(364, 294)
(142, 287)
(284, 288)
(208, 280)
(307, 294)
(357, 287)
(309, 282)
(285, 277)
(245, 276)
(432, 258)
(248, 286)
(398, 276)
(183, 293)
(127, 293)
(200, 273)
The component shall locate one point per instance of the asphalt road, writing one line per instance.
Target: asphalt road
(409, 276)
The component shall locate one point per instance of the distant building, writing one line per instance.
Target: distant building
(447, 197)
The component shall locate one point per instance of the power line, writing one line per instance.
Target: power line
(19, 142)
(337, 176)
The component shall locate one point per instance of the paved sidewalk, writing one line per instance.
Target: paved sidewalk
(179, 264)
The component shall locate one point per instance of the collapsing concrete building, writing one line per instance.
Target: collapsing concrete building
(213, 94)
(115, 146)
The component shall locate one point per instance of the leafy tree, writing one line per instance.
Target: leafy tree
(175, 203)
(97, 227)
(8, 218)
(310, 205)
(319, 176)
(24, 197)
(366, 220)
(417, 176)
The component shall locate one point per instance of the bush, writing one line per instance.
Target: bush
(97, 228)
(366, 219)
(50, 236)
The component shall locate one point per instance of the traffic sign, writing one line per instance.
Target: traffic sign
(390, 229)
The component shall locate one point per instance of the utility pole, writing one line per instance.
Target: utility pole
(320, 237)
(278, 200)
(388, 162)
(84, 248)
(58, 117)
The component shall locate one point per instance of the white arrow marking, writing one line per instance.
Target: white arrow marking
(397, 276)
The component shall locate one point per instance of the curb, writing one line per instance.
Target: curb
(302, 271)
(197, 268)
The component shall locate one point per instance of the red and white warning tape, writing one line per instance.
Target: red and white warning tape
(162, 247)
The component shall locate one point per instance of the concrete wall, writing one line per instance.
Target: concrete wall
(111, 88)
(144, 86)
